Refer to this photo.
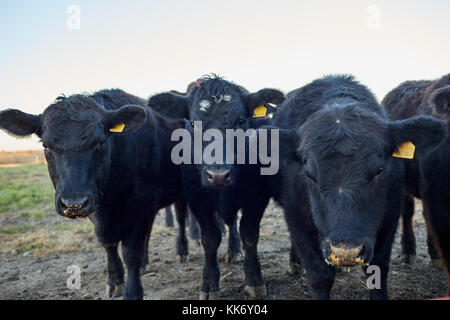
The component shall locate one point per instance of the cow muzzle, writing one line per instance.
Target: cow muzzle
(218, 177)
(346, 255)
(75, 206)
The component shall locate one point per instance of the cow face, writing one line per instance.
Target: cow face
(217, 104)
(214, 103)
(75, 133)
(346, 157)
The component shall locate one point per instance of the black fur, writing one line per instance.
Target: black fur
(428, 176)
(339, 183)
(182, 247)
(247, 191)
(125, 177)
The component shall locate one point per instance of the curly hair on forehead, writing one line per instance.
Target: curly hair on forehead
(213, 84)
(77, 107)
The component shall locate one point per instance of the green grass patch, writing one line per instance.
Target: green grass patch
(30, 221)
(76, 225)
(37, 214)
(16, 229)
(34, 246)
(25, 189)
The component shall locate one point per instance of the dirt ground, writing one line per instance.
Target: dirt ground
(37, 276)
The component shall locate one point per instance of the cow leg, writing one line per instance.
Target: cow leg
(305, 241)
(182, 242)
(133, 247)
(408, 239)
(114, 288)
(169, 217)
(211, 238)
(295, 266)
(381, 260)
(234, 253)
(145, 261)
(385, 240)
(194, 228)
(221, 224)
(438, 217)
(133, 255)
(432, 250)
(249, 230)
(319, 275)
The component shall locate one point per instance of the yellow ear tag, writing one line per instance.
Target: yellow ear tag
(260, 112)
(117, 128)
(405, 150)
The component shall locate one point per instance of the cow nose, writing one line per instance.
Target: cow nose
(75, 203)
(218, 177)
(345, 254)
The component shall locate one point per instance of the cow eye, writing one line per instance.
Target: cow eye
(379, 171)
(45, 146)
(310, 176)
(306, 169)
(191, 122)
(101, 141)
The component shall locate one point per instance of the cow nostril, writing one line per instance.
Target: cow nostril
(83, 201)
(75, 203)
(330, 257)
(218, 177)
(364, 253)
(208, 175)
(65, 203)
(327, 248)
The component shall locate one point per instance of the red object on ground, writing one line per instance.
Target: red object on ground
(443, 298)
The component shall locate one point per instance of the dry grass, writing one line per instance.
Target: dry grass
(21, 157)
(60, 238)
(28, 222)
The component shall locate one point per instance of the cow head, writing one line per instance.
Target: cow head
(76, 134)
(214, 103)
(344, 155)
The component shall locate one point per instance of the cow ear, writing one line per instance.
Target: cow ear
(415, 134)
(263, 102)
(440, 102)
(170, 105)
(20, 124)
(127, 119)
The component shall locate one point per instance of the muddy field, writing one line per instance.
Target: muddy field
(36, 250)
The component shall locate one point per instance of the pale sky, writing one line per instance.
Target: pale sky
(145, 47)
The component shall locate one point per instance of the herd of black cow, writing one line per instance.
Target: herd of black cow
(349, 168)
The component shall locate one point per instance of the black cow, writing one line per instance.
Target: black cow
(430, 174)
(194, 228)
(108, 157)
(220, 187)
(339, 185)
(402, 103)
